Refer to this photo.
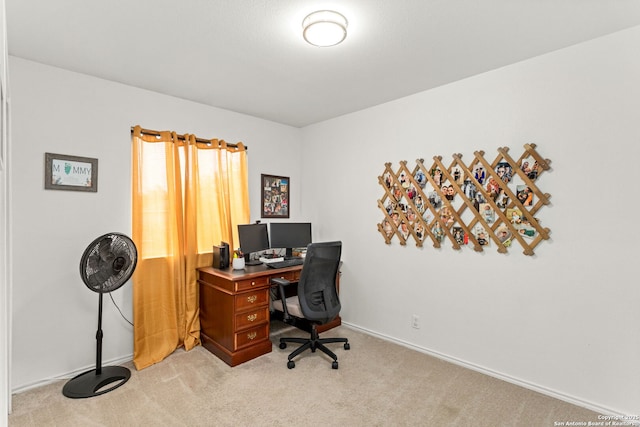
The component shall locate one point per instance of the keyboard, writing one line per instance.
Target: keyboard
(286, 263)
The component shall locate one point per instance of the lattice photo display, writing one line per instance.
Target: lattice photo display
(478, 205)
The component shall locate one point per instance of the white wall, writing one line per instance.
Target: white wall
(565, 321)
(54, 313)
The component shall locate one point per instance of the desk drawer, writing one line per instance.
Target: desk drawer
(251, 336)
(252, 318)
(249, 300)
(245, 285)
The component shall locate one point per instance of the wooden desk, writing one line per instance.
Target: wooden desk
(234, 310)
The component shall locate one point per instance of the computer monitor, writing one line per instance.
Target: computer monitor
(289, 235)
(253, 238)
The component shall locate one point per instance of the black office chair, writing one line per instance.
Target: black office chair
(317, 300)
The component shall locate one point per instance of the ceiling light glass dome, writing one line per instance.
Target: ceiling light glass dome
(324, 28)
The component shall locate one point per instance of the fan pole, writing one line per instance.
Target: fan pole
(99, 338)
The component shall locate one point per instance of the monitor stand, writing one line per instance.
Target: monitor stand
(289, 254)
(248, 261)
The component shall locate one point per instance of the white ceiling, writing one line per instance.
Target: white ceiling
(249, 56)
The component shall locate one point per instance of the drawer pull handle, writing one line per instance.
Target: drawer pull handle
(252, 335)
(252, 317)
(253, 283)
(251, 299)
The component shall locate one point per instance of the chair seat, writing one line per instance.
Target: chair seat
(293, 306)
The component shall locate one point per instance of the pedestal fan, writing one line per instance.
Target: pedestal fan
(107, 263)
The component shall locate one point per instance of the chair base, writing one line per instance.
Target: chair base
(313, 343)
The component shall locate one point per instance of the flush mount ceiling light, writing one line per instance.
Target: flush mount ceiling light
(324, 28)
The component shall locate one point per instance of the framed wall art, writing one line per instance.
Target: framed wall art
(275, 196)
(63, 172)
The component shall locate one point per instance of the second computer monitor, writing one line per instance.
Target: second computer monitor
(289, 235)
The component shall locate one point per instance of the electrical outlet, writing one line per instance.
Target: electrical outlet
(415, 321)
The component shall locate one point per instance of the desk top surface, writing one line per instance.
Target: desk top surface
(248, 271)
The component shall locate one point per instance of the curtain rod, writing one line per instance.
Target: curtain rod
(205, 141)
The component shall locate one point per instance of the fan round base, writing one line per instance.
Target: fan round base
(90, 383)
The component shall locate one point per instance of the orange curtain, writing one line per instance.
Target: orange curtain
(187, 197)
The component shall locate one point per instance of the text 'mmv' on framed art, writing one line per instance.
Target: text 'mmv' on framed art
(72, 173)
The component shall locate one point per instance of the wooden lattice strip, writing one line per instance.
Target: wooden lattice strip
(496, 181)
(510, 207)
(388, 195)
(478, 178)
(468, 174)
(515, 202)
(420, 195)
(470, 178)
(540, 166)
(524, 177)
(541, 233)
(381, 227)
(401, 213)
(492, 180)
(466, 202)
(398, 194)
(395, 197)
(477, 215)
(477, 174)
(438, 217)
(407, 186)
(476, 246)
(416, 186)
(544, 197)
(419, 230)
(490, 229)
(505, 188)
(428, 206)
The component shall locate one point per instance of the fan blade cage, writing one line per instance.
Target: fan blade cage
(108, 262)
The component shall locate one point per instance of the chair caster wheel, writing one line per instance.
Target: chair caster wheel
(347, 346)
(283, 345)
(334, 365)
(291, 364)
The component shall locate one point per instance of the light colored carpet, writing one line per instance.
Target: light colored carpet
(378, 384)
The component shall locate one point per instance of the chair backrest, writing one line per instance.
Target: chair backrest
(317, 292)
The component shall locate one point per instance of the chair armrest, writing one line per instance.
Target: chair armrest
(282, 283)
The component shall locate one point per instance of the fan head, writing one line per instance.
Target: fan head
(108, 262)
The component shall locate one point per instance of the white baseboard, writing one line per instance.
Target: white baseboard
(535, 387)
(69, 375)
